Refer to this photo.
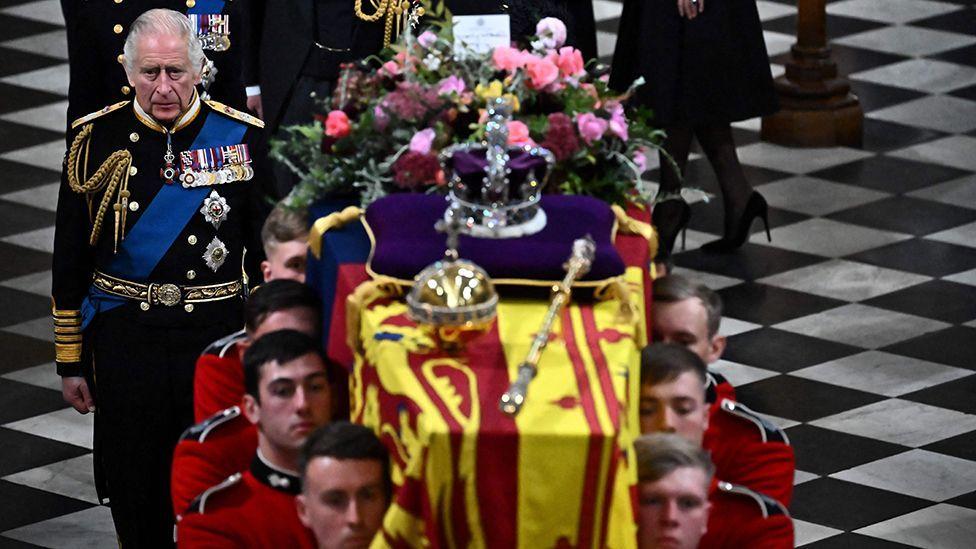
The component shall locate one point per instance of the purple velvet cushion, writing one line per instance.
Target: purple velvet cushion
(405, 240)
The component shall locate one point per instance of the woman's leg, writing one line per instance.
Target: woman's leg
(670, 214)
(716, 141)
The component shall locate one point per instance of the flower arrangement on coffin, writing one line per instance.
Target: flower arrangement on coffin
(386, 125)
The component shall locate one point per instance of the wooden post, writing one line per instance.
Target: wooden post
(817, 107)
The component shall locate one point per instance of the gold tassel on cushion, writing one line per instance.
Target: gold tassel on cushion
(629, 225)
(335, 220)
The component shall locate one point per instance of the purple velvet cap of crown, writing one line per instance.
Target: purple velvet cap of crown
(406, 241)
(472, 167)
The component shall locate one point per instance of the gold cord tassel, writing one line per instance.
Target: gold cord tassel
(112, 176)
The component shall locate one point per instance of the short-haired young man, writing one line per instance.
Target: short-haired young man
(753, 452)
(288, 397)
(285, 239)
(346, 486)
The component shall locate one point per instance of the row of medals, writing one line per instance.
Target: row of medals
(228, 174)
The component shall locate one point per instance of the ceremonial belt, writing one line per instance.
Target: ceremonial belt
(168, 295)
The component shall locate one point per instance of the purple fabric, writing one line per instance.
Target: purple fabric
(474, 165)
(406, 241)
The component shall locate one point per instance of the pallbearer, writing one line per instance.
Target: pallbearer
(157, 207)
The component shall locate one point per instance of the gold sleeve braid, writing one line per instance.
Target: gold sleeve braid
(112, 176)
(67, 334)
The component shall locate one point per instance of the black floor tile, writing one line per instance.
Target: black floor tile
(883, 136)
(801, 399)
(7, 543)
(16, 61)
(938, 299)
(22, 505)
(965, 500)
(908, 215)
(13, 27)
(23, 451)
(959, 395)
(710, 218)
(837, 26)
(965, 93)
(877, 96)
(850, 59)
(889, 174)
(767, 305)
(749, 262)
(849, 506)
(699, 174)
(961, 21)
(19, 218)
(824, 452)
(18, 261)
(22, 306)
(608, 25)
(21, 401)
(30, 352)
(783, 351)
(854, 541)
(16, 98)
(960, 56)
(917, 255)
(961, 446)
(955, 346)
(18, 136)
(17, 176)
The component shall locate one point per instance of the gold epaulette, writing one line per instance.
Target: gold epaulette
(99, 112)
(234, 113)
(67, 334)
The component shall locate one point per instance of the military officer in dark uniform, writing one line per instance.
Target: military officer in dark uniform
(97, 29)
(158, 224)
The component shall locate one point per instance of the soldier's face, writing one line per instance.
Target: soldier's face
(162, 76)
(343, 501)
(286, 260)
(295, 400)
(685, 323)
(673, 510)
(676, 406)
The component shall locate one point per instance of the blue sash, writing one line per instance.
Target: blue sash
(162, 221)
(207, 6)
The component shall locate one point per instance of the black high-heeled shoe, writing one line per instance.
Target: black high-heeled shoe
(755, 207)
(670, 217)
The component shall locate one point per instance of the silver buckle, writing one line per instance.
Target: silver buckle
(165, 294)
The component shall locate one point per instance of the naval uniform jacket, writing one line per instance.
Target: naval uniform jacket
(151, 232)
(97, 29)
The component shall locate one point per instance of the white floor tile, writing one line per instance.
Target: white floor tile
(777, 157)
(73, 478)
(927, 75)
(773, 10)
(900, 422)
(52, 117)
(44, 376)
(714, 281)
(882, 373)
(846, 280)
(955, 151)
(860, 325)
(733, 326)
(890, 11)
(965, 277)
(65, 425)
(799, 477)
(47, 156)
(781, 422)
(910, 41)
(39, 328)
(958, 192)
(50, 79)
(937, 112)
(51, 44)
(82, 530)
(40, 239)
(740, 374)
(941, 526)
(604, 9)
(45, 11)
(813, 196)
(918, 473)
(42, 196)
(605, 43)
(777, 42)
(827, 237)
(964, 235)
(36, 283)
(807, 532)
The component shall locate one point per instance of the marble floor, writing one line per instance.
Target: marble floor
(855, 328)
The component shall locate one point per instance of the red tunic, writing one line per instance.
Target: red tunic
(251, 509)
(717, 388)
(741, 518)
(749, 450)
(208, 453)
(218, 382)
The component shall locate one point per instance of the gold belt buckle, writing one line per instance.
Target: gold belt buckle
(165, 294)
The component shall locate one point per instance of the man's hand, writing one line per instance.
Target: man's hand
(75, 392)
(254, 105)
(690, 8)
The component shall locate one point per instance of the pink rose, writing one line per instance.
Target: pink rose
(591, 127)
(569, 60)
(518, 134)
(427, 39)
(451, 84)
(618, 122)
(422, 140)
(640, 158)
(391, 68)
(507, 58)
(551, 32)
(337, 125)
(541, 72)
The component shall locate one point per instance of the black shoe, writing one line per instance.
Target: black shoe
(669, 218)
(755, 207)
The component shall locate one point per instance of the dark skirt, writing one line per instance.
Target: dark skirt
(712, 69)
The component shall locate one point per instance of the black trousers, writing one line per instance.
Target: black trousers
(304, 102)
(142, 376)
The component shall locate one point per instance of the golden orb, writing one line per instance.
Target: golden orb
(453, 293)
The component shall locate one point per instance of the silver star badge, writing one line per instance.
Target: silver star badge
(215, 209)
(216, 254)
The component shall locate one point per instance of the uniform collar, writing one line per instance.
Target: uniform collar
(275, 477)
(181, 122)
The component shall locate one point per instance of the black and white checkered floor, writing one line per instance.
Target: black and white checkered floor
(855, 328)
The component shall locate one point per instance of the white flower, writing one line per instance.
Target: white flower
(551, 32)
(432, 62)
